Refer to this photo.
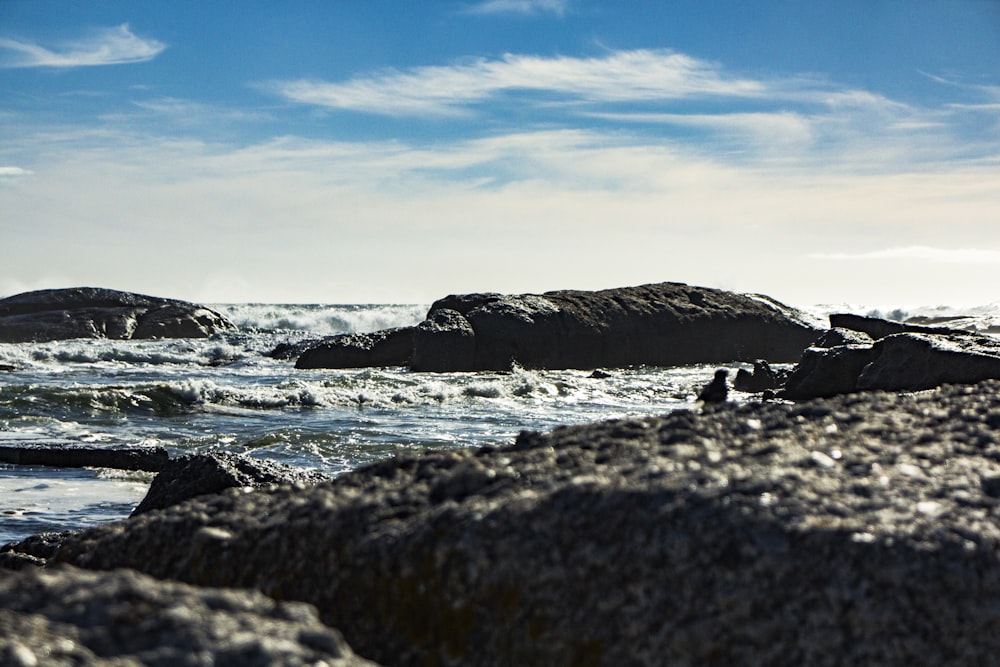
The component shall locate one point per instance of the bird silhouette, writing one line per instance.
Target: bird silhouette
(717, 390)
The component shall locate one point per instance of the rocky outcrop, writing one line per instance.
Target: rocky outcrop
(391, 347)
(194, 475)
(661, 325)
(854, 530)
(72, 617)
(865, 353)
(92, 312)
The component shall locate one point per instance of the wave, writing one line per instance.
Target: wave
(982, 318)
(321, 319)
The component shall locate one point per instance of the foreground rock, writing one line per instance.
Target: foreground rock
(862, 529)
(664, 324)
(72, 617)
(865, 353)
(92, 312)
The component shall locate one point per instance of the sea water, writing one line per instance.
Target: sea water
(225, 393)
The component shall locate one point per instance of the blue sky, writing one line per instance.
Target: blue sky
(399, 151)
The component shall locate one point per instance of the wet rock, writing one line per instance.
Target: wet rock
(72, 617)
(838, 336)
(662, 324)
(915, 361)
(391, 347)
(860, 529)
(193, 475)
(92, 312)
(824, 372)
(877, 328)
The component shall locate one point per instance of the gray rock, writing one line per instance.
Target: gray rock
(193, 475)
(122, 618)
(861, 529)
(761, 378)
(92, 312)
(391, 347)
(663, 324)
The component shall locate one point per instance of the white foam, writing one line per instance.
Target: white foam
(322, 319)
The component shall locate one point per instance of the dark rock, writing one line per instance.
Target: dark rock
(445, 341)
(844, 531)
(762, 378)
(663, 324)
(827, 372)
(92, 312)
(199, 474)
(151, 459)
(897, 362)
(837, 336)
(914, 361)
(879, 328)
(599, 374)
(391, 347)
(73, 617)
(32, 551)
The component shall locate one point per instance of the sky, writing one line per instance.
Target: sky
(349, 151)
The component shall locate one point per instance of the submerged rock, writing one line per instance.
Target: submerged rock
(861, 529)
(93, 312)
(73, 617)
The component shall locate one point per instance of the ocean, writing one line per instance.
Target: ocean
(225, 394)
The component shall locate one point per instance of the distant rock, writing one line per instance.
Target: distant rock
(118, 619)
(91, 312)
(865, 353)
(390, 347)
(662, 325)
(847, 531)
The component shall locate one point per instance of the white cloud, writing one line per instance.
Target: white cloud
(109, 46)
(522, 7)
(626, 76)
(920, 253)
(13, 172)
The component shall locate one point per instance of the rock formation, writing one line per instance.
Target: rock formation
(860, 529)
(92, 312)
(661, 325)
(864, 353)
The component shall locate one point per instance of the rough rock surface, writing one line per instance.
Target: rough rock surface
(193, 475)
(865, 353)
(122, 618)
(663, 324)
(390, 347)
(862, 529)
(93, 312)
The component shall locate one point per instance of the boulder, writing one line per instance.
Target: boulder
(73, 617)
(844, 531)
(92, 312)
(663, 324)
(193, 475)
(761, 378)
(866, 353)
(390, 347)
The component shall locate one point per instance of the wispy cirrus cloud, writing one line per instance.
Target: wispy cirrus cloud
(633, 76)
(920, 253)
(520, 7)
(108, 46)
